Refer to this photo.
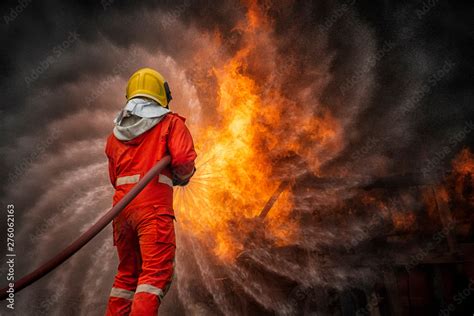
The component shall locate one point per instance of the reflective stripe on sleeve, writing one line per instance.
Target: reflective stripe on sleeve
(147, 288)
(122, 293)
(127, 179)
(166, 180)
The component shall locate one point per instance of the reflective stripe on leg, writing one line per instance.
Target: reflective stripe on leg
(147, 288)
(122, 293)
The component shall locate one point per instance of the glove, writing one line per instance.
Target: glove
(182, 182)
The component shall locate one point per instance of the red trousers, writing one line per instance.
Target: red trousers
(146, 247)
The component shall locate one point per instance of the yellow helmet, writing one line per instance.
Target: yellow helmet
(149, 83)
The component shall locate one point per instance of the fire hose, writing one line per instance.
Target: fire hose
(75, 246)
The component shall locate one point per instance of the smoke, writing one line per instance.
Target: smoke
(393, 76)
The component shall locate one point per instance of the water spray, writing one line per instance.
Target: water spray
(67, 252)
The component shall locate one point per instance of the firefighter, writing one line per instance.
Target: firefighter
(145, 131)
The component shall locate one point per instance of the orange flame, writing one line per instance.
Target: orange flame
(453, 186)
(235, 172)
(463, 166)
(464, 162)
(403, 221)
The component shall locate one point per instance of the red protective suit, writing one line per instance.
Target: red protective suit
(144, 231)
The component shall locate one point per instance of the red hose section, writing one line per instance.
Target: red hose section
(67, 252)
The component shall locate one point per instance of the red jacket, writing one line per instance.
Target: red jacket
(130, 160)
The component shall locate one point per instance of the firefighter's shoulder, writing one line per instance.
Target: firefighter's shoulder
(175, 115)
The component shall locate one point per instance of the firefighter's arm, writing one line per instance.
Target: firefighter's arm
(112, 175)
(181, 147)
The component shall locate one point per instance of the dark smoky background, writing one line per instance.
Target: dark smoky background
(397, 75)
